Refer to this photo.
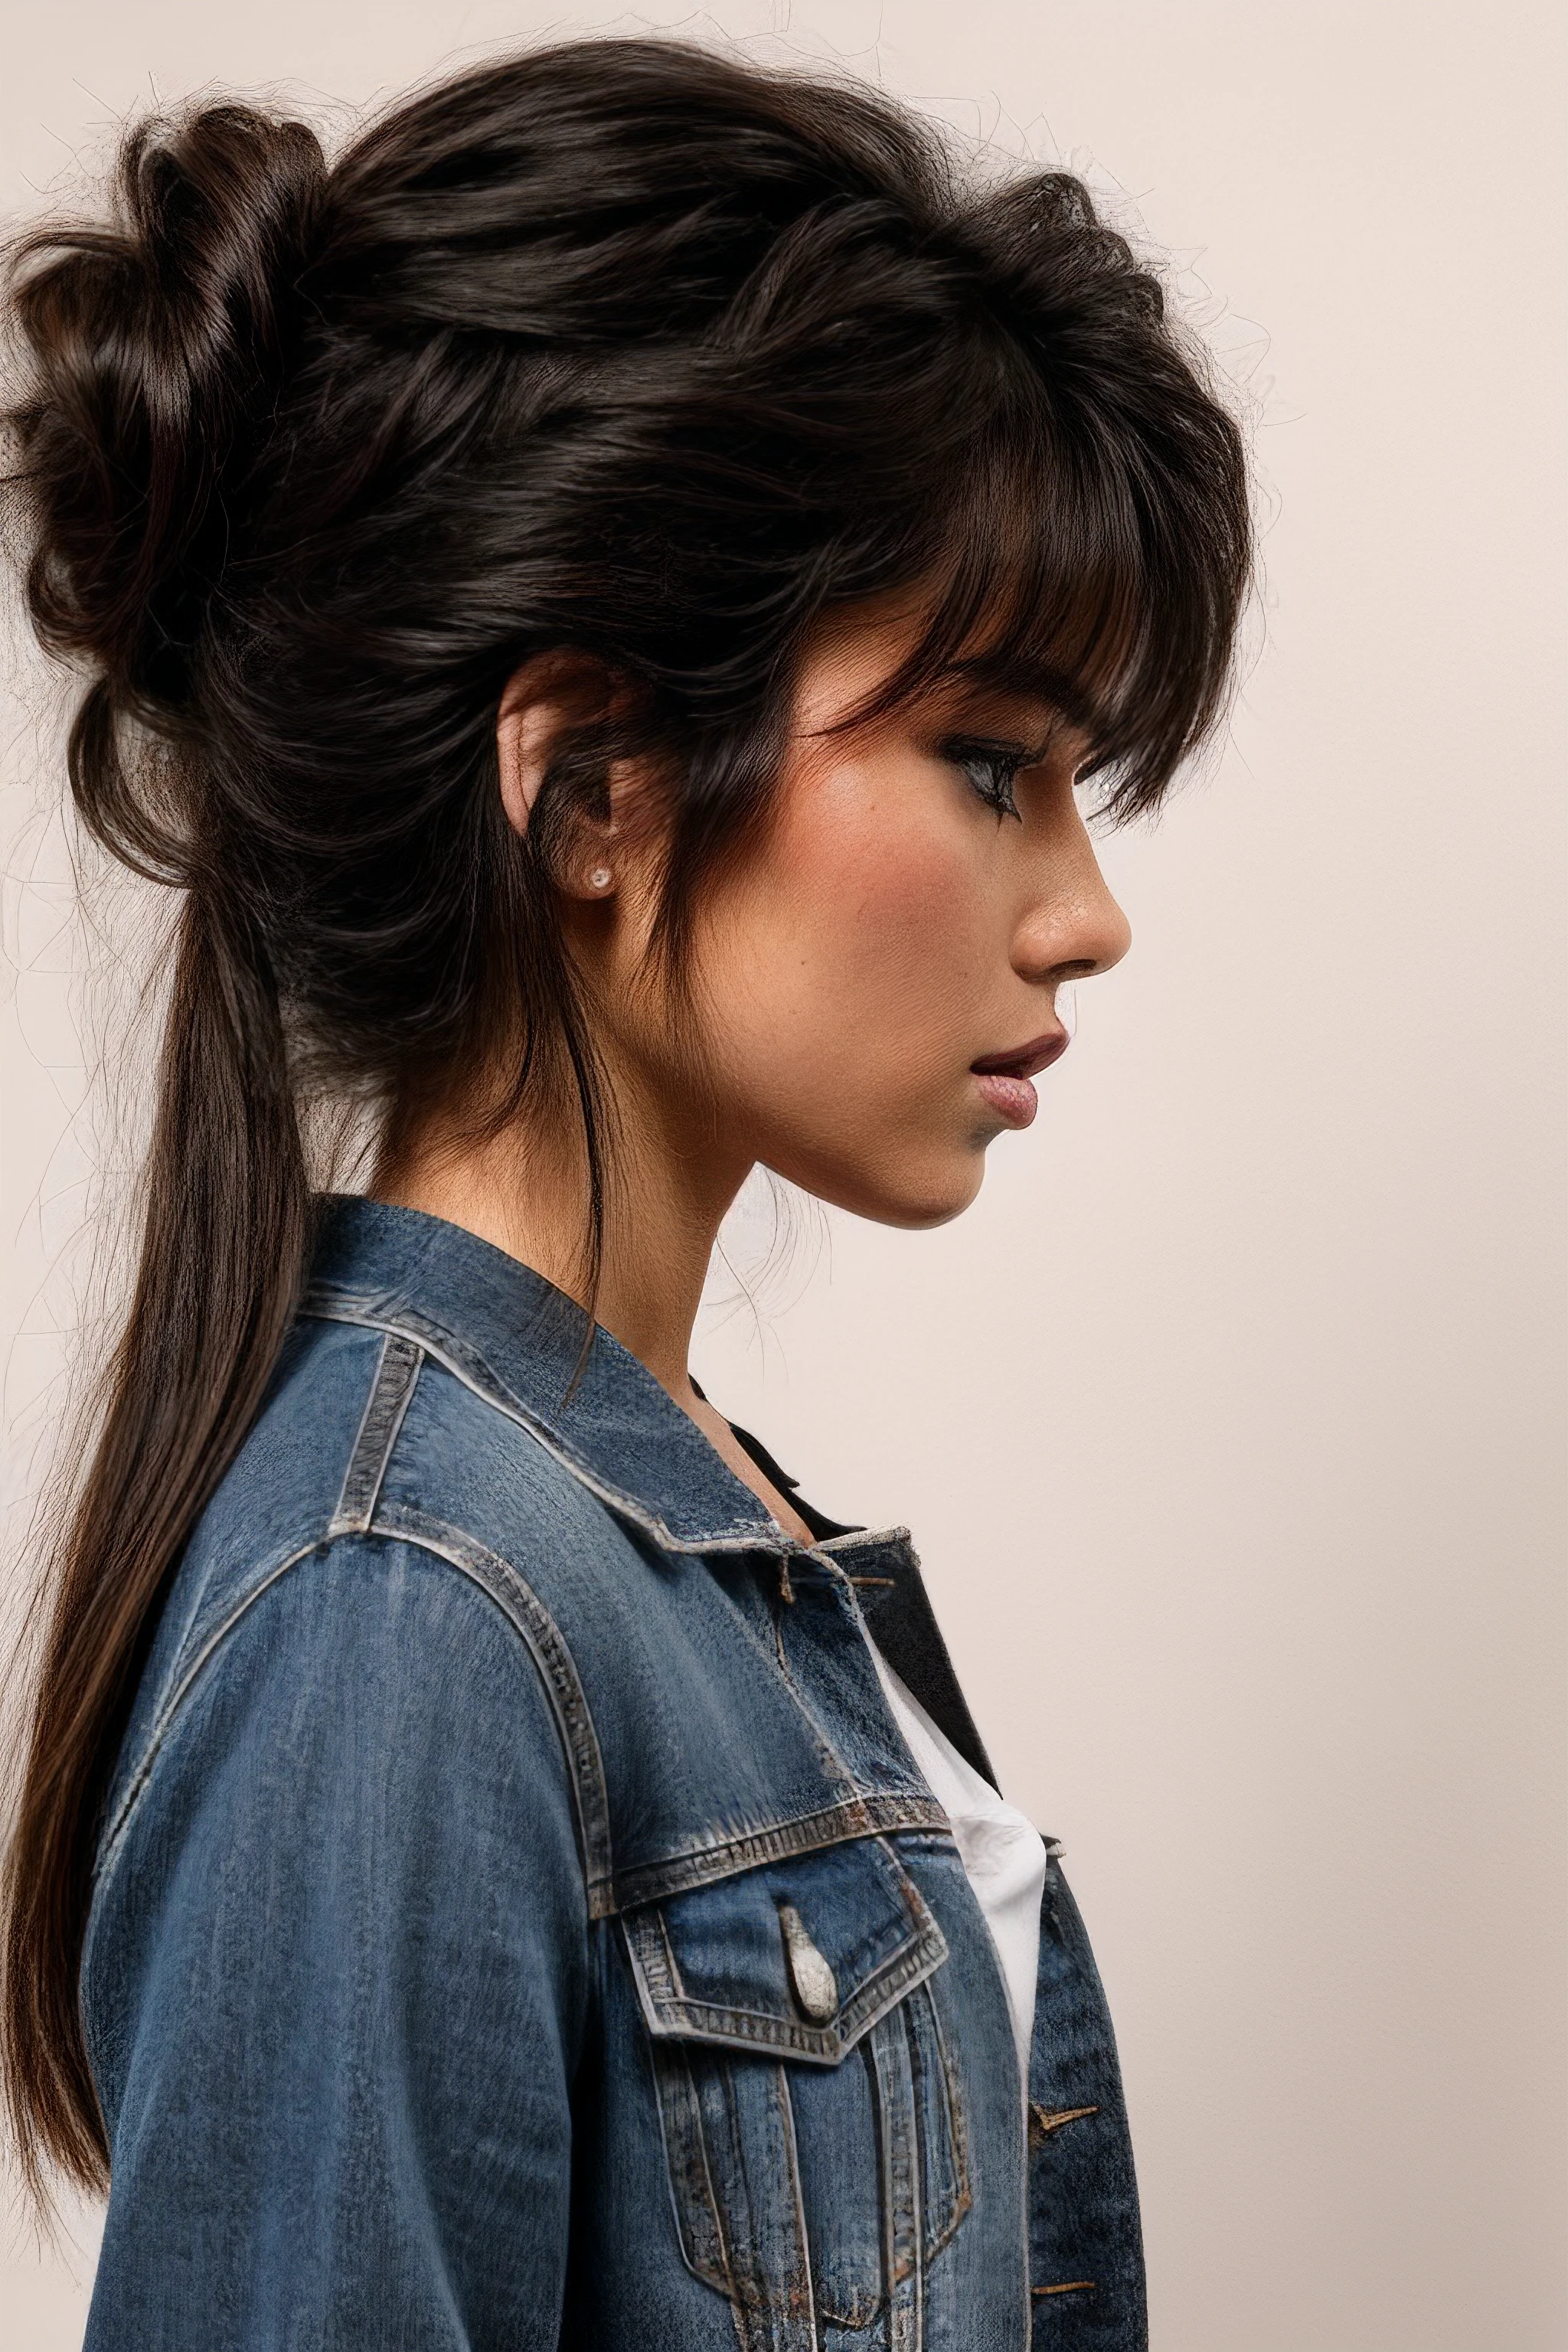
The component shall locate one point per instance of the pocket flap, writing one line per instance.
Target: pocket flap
(799, 1956)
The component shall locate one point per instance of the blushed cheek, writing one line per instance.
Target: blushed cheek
(905, 938)
(871, 965)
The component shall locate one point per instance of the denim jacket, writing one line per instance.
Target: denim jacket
(518, 1922)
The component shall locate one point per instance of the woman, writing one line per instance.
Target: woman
(601, 603)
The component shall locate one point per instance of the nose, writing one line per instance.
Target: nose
(1072, 926)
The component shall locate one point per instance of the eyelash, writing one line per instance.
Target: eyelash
(991, 769)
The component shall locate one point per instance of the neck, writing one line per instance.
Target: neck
(526, 1191)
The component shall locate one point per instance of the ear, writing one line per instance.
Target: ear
(544, 700)
(546, 703)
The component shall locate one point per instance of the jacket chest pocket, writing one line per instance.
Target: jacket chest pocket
(813, 2116)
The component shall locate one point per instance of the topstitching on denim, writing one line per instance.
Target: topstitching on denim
(670, 2012)
(391, 1394)
(557, 1669)
(704, 1863)
(177, 1699)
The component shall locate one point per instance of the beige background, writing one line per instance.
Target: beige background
(1227, 1422)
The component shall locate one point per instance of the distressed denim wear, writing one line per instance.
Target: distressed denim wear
(519, 1922)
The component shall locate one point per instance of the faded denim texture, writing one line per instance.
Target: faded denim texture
(519, 1922)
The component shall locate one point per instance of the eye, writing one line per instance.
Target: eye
(992, 768)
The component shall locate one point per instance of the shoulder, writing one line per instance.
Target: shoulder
(399, 1513)
(351, 1810)
(362, 1671)
(295, 1581)
(361, 1428)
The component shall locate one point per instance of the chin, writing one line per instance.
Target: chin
(913, 1199)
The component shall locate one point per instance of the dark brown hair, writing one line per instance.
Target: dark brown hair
(618, 347)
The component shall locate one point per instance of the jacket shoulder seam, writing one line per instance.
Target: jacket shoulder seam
(540, 1634)
(164, 1720)
(391, 1393)
(169, 1714)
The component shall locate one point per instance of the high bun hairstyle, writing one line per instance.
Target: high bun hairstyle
(615, 347)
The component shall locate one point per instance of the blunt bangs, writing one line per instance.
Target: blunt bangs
(1072, 567)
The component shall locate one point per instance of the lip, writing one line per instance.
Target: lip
(1004, 1078)
(1023, 1061)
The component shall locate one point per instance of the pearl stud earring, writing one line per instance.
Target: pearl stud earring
(600, 878)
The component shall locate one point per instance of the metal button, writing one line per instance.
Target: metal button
(812, 1977)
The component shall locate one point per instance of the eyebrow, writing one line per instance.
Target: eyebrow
(1018, 674)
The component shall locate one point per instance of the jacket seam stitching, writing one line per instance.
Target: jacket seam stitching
(382, 1388)
(386, 1407)
(681, 2019)
(818, 1728)
(450, 1544)
(865, 1815)
(175, 1703)
(158, 1736)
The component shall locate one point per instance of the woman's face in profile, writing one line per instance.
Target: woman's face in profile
(874, 984)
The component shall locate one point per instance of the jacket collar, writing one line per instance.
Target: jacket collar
(515, 1340)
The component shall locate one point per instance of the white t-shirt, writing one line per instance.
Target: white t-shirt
(1003, 1854)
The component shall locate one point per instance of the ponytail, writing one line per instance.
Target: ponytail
(152, 348)
(224, 1240)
